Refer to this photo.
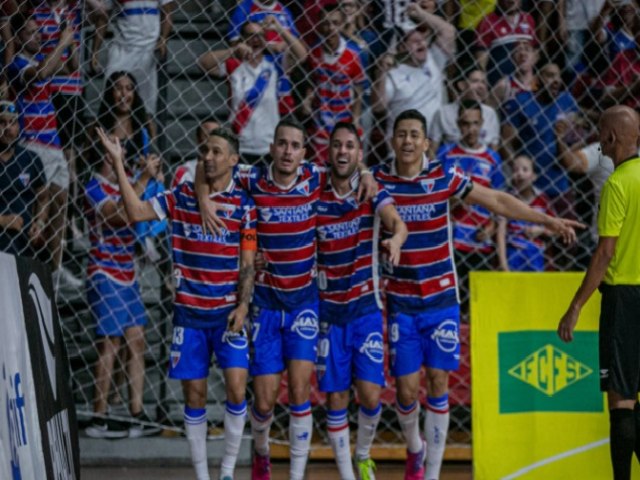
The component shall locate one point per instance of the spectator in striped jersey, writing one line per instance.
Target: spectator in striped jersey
(422, 299)
(473, 225)
(30, 79)
(351, 342)
(523, 78)
(338, 81)
(260, 90)
(214, 277)
(521, 245)
(114, 296)
(141, 30)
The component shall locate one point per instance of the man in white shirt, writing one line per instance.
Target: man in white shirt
(140, 30)
(417, 82)
(444, 127)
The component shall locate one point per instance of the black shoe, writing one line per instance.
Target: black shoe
(143, 426)
(106, 428)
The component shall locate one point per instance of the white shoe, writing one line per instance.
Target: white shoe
(63, 278)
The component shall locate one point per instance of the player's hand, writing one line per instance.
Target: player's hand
(561, 127)
(565, 229)
(112, 147)
(260, 262)
(568, 324)
(368, 187)
(237, 317)
(211, 222)
(272, 23)
(393, 245)
(415, 12)
(534, 231)
(386, 63)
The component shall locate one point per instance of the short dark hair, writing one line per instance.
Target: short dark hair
(466, 69)
(412, 114)
(202, 122)
(288, 122)
(229, 136)
(330, 8)
(469, 104)
(245, 25)
(350, 127)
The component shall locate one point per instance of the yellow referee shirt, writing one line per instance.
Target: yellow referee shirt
(619, 216)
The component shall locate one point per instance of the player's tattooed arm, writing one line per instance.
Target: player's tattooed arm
(245, 290)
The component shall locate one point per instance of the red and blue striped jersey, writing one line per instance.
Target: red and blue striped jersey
(206, 266)
(49, 20)
(425, 277)
(37, 114)
(484, 167)
(112, 248)
(334, 77)
(286, 235)
(516, 236)
(348, 254)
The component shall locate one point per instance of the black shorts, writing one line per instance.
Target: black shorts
(70, 119)
(620, 340)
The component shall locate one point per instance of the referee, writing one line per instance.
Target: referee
(615, 269)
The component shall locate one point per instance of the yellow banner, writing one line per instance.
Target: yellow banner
(537, 409)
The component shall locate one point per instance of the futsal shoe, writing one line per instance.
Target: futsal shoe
(414, 469)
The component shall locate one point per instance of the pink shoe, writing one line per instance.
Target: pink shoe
(414, 468)
(261, 468)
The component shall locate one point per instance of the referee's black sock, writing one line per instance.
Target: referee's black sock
(636, 415)
(623, 441)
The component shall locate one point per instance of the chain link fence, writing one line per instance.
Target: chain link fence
(543, 72)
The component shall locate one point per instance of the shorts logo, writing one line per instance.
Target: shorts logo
(323, 348)
(373, 347)
(178, 335)
(25, 178)
(237, 340)
(446, 336)
(175, 358)
(306, 325)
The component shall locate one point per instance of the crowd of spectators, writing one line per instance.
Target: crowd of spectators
(511, 90)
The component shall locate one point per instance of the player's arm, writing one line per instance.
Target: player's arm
(136, 210)
(208, 212)
(248, 245)
(573, 160)
(445, 33)
(593, 278)
(504, 204)
(501, 244)
(392, 222)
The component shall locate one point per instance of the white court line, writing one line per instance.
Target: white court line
(555, 458)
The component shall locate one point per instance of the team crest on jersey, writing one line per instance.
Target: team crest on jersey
(227, 210)
(306, 325)
(427, 185)
(25, 178)
(303, 188)
(175, 358)
(373, 347)
(266, 214)
(446, 336)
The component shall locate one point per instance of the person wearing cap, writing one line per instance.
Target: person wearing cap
(23, 189)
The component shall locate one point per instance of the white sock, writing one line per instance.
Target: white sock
(436, 427)
(195, 424)
(234, 420)
(338, 431)
(367, 425)
(300, 430)
(409, 419)
(260, 427)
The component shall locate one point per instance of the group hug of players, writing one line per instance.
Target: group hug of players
(277, 268)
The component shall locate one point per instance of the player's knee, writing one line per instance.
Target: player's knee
(370, 399)
(196, 400)
(298, 393)
(406, 396)
(236, 394)
(437, 383)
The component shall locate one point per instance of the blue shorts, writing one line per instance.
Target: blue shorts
(525, 260)
(431, 339)
(192, 350)
(278, 336)
(114, 306)
(355, 348)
